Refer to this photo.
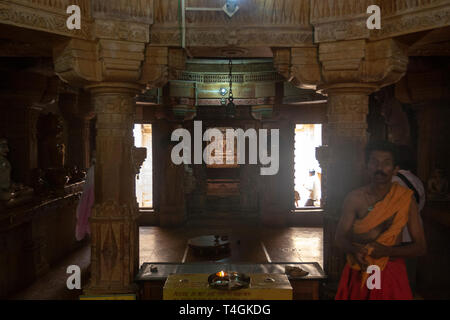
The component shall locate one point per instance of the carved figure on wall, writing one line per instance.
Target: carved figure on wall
(438, 185)
(396, 120)
(5, 169)
(38, 182)
(52, 149)
(51, 143)
(12, 193)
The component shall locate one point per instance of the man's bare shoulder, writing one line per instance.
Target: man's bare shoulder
(356, 196)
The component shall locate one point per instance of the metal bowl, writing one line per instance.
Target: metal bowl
(230, 281)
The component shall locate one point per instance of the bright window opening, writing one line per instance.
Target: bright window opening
(307, 174)
(144, 180)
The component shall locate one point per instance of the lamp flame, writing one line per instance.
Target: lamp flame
(221, 274)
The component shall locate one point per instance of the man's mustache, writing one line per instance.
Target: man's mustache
(381, 173)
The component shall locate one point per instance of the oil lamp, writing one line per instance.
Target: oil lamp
(221, 274)
(223, 280)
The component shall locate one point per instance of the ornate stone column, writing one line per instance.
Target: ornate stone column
(277, 191)
(115, 242)
(348, 72)
(345, 139)
(114, 67)
(172, 197)
(351, 71)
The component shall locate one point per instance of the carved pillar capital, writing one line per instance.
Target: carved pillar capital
(298, 65)
(82, 63)
(361, 64)
(351, 64)
(116, 89)
(161, 65)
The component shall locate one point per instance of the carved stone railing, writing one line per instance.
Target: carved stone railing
(56, 5)
(346, 19)
(326, 11)
(280, 23)
(408, 16)
(46, 15)
(403, 6)
(127, 10)
(224, 77)
(51, 16)
(251, 12)
(257, 23)
(330, 11)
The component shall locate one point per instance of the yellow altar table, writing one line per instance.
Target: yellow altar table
(196, 287)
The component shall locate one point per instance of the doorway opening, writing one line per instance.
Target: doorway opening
(144, 180)
(307, 171)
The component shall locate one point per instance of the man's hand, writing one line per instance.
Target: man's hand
(360, 253)
(379, 250)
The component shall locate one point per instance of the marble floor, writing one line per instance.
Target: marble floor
(250, 244)
(52, 285)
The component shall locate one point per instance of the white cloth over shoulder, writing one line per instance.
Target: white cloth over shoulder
(418, 185)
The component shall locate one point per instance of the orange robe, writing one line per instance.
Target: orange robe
(394, 279)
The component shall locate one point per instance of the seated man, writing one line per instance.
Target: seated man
(370, 231)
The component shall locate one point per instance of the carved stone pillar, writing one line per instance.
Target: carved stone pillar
(346, 137)
(348, 72)
(115, 245)
(172, 197)
(277, 191)
(114, 65)
(351, 71)
(250, 173)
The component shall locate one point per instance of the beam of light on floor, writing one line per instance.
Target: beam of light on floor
(185, 254)
(265, 252)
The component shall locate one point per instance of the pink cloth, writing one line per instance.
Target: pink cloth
(84, 207)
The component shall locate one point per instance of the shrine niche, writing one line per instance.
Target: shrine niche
(52, 149)
(220, 183)
(11, 194)
(226, 154)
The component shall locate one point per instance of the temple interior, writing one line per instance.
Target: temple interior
(103, 103)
